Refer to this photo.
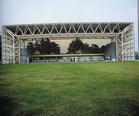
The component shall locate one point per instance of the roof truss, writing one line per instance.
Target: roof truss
(54, 30)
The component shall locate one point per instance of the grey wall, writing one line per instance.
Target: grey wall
(110, 50)
(23, 55)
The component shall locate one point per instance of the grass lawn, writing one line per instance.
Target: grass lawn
(70, 89)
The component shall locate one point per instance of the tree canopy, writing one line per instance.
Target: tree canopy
(45, 46)
(78, 45)
(75, 45)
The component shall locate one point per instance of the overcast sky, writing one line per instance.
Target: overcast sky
(59, 11)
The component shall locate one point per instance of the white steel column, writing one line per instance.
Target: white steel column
(13, 51)
(16, 50)
(119, 48)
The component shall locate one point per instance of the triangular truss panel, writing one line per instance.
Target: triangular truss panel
(67, 27)
(89, 28)
(103, 26)
(45, 30)
(63, 29)
(72, 29)
(54, 30)
(58, 27)
(40, 28)
(19, 33)
(98, 29)
(112, 26)
(81, 29)
(85, 26)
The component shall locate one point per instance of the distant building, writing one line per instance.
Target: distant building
(16, 37)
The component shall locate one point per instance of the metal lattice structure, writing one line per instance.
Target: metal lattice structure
(121, 33)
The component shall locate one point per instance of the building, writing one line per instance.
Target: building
(15, 37)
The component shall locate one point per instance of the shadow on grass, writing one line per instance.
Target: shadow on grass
(6, 106)
(120, 107)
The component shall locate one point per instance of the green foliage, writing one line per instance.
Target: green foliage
(30, 48)
(70, 89)
(77, 45)
(45, 46)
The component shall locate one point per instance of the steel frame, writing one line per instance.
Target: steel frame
(121, 33)
(125, 45)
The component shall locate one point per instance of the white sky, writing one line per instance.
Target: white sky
(59, 11)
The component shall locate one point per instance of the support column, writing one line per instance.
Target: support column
(119, 55)
(16, 50)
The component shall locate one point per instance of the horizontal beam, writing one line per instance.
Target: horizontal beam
(67, 36)
(69, 55)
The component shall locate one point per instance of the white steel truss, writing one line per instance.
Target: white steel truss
(122, 33)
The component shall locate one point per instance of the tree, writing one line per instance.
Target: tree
(86, 48)
(103, 48)
(75, 45)
(55, 48)
(30, 48)
(48, 46)
(95, 49)
(37, 46)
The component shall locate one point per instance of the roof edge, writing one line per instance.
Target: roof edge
(67, 23)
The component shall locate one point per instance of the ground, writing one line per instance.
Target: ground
(70, 89)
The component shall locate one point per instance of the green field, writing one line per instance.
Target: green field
(70, 89)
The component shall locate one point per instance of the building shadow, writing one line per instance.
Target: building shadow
(7, 106)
